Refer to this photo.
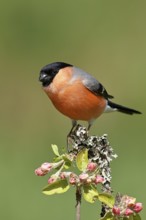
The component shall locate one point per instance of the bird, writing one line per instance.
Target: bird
(77, 94)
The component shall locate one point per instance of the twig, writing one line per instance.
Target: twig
(78, 204)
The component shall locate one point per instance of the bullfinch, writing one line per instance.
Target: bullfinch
(77, 94)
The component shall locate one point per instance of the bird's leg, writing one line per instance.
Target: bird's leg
(90, 124)
(74, 124)
(88, 128)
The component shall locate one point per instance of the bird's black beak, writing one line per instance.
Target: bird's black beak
(42, 77)
(45, 79)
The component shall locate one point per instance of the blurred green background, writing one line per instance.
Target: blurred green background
(105, 38)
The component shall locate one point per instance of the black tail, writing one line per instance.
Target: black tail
(123, 109)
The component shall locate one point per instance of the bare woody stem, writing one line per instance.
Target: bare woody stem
(78, 202)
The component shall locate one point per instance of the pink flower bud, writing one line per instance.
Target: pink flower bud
(39, 172)
(91, 166)
(138, 207)
(46, 166)
(83, 177)
(62, 176)
(128, 212)
(72, 180)
(116, 210)
(51, 180)
(98, 179)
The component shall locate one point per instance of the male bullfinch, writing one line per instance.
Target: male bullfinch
(77, 94)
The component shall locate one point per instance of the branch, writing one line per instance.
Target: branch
(92, 156)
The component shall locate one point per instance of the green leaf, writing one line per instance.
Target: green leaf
(60, 186)
(108, 216)
(90, 193)
(82, 159)
(136, 217)
(107, 199)
(128, 218)
(58, 158)
(68, 162)
(55, 150)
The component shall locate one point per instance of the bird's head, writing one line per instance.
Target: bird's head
(49, 71)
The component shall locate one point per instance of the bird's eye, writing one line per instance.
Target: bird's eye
(54, 72)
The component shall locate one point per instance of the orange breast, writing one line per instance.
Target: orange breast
(74, 99)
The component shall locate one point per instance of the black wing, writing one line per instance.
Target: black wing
(91, 83)
(96, 87)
